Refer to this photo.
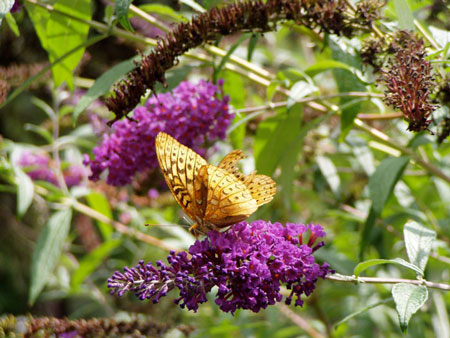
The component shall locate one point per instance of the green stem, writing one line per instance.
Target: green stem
(375, 133)
(378, 280)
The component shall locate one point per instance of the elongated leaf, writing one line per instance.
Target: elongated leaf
(365, 309)
(408, 299)
(252, 45)
(230, 51)
(274, 136)
(64, 34)
(323, 66)
(41, 131)
(299, 90)
(122, 7)
(163, 10)
(12, 24)
(383, 180)
(25, 191)
(91, 261)
(329, 171)
(194, 5)
(5, 7)
(102, 85)
(99, 202)
(48, 250)
(367, 264)
(404, 14)
(346, 81)
(418, 241)
(234, 87)
(39, 16)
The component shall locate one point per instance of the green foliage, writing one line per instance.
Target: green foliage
(310, 111)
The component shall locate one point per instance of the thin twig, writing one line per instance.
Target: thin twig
(299, 321)
(378, 280)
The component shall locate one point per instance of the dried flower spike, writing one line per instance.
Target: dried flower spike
(408, 79)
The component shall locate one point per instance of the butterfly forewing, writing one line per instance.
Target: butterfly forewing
(180, 166)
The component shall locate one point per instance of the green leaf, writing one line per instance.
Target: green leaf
(48, 250)
(25, 191)
(230, 51)
(251, 46)
(91, 261)
(5, 7)
(194, 5)
(346, 81)
(100, 203)
(408, 299)
(368, 230)
(41, 131)
(122, 7)
(64, 33)
(418, 241)
(330, 173)
(383, 180)
(365, 309)
(367, 264)
(233, 86)
(404, 14)
(164, 11)
(299, 90)
(274, 136)
(102, 85)
(322, 66)
(39, 16)
(12, 24)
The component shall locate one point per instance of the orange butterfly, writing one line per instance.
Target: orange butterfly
(214, 197)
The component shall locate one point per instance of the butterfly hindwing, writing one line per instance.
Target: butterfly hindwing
(229, 201)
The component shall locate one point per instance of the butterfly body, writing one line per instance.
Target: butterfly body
(213, 196)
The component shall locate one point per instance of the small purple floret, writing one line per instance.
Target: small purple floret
(248, 264)
(192, 113)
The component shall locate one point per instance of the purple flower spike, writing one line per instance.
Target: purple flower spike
(192, 113)
(248, 264)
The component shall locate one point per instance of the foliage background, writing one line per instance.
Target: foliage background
(362, 179)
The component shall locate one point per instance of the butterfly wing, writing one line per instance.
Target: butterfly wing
(228, 163)
(180, 166)
(228, 201)
(261, 187)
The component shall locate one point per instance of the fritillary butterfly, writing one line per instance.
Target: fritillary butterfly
(213, 197)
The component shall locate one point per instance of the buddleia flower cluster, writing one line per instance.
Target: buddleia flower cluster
(249, 264)
(192, 113)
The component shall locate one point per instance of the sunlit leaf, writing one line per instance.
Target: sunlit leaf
(102, 85)
(367, 264)
(404, 14)
(64, 33)
(122, 7)
(91, 261)
(5, 7)
(48, 251)
(25, 191)
(408, 299)
(100, 203)
(418, 241)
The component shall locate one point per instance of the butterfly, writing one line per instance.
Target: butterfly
(214, 197)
